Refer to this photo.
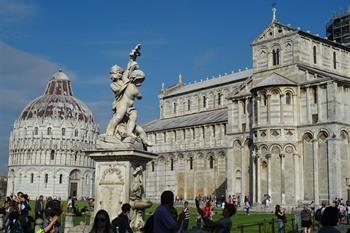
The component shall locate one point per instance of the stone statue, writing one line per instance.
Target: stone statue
(122, 128)
(137, 202)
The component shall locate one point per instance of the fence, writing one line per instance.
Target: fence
(267, 226)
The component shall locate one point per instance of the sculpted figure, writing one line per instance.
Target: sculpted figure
(125, 85)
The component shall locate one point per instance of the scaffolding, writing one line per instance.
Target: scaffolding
(338, 27)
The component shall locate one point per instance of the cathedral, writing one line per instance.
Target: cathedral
(47, 142)
(280, 128)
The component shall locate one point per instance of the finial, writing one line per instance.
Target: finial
(162, 85)
(60, 68)
(180, 79)
(274, 10)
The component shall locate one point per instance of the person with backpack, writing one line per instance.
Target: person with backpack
(122, 222)
(306, 219)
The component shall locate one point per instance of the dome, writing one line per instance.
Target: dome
(58, 102)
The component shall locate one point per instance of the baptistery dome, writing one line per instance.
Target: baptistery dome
(47, 142)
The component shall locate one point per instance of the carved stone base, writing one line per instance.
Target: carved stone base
(111, 142)
(113, 176)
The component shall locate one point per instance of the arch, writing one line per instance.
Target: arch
(237, 143)
(274, 91)
(344, 135)
(307, 136)
(275, 148)
(323, 135)
(289, 148)
(263, 149)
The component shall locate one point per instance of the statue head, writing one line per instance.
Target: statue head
(116, 72)
(137, 77)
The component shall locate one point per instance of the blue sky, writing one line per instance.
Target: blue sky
(197, 38)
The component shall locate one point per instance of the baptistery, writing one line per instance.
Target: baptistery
(47, 144)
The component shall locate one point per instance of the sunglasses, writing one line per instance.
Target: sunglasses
(101, 220)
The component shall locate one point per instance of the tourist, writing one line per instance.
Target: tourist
(281, 218)
(101, 223)
(51, 224)
(24, 208)
(207, 210)
(347, 212)
(186, 220)
(329, 219)
(39, 207)
(223, 225)
(306, 219)
(163, 221)
(122, 222)
(246, 204)
(239, 200)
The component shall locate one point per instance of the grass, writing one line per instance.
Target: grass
(239, 219)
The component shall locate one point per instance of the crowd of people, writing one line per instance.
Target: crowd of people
(16, 210)
(166, 218)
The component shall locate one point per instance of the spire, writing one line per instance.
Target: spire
(274, 10)
(180, 80)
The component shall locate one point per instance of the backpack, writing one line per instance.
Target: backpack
(148, 228)
(318, 214)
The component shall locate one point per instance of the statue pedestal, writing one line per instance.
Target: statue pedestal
(114, 175)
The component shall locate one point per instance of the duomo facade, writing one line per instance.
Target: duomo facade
(46, 145)
(280, 128)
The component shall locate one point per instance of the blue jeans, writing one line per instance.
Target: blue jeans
(281, 226)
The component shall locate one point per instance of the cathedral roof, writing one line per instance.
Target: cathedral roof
(223, 80)
(195, 119)
(57, 102)
(274, 80)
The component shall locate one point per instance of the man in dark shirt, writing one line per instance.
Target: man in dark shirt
(122, 221)
(163, 221)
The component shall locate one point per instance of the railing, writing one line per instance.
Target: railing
(267, 226)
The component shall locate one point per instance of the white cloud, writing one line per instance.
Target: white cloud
(23, 77)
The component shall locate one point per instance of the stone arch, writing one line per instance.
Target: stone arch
(288, 90)
(74, 183)
(344, 135)
(274, 91)
(264, 149)
(307, 136)
(322, 135)
(289, 148)
(275, 149)
(237, 143)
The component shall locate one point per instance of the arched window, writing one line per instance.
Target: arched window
(315, 54)
(46, 178)
(211, 162)
(188, 105)
(86, 179)
(219, 98)
(32, 178)
(288, 98)
(36, 131)
(60, 179)
(334, 60)
(172, 164)
(174, 105)
(52, 155)
(152, 166)
(276, 57)
(49, 131)
(164, 136)
(203, 132)
(76, 156)
(191, 163)
(263, 100)
(63, 131)
(204, 101)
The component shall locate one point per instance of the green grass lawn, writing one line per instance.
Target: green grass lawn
(239, 219)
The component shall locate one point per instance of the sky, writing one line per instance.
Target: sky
(197, 38)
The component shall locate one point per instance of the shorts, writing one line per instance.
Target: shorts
(307, 223)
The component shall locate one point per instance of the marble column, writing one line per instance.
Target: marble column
(283, 181)
(315, 157)
(334, 168)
